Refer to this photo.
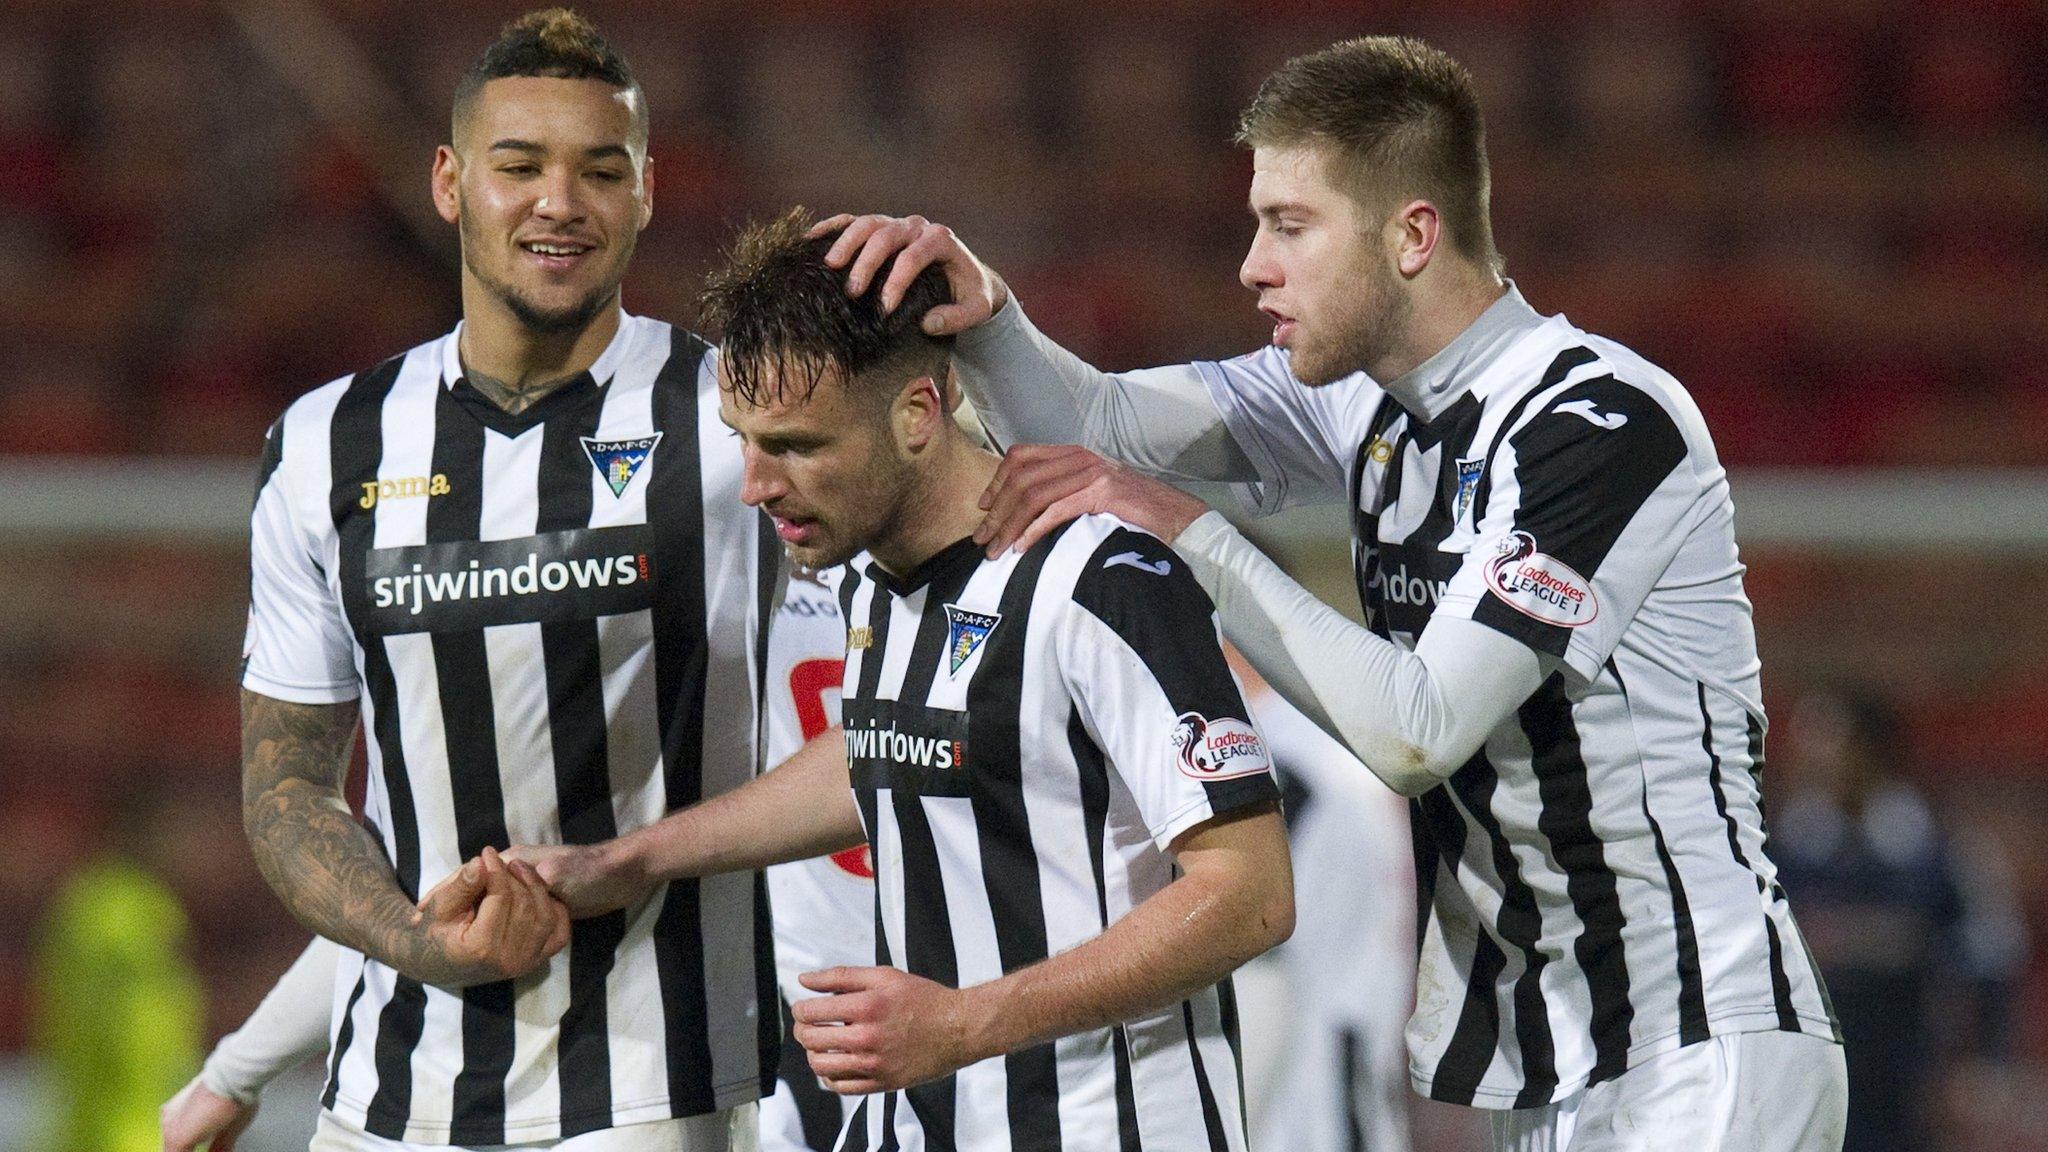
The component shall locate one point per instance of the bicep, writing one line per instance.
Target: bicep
(1145, 668)
(1478, 678)
(298, 645)
(820, 763)
(1243, 859)
(1299, 441)
(1256, 836)
(290, 743)
(1588, 503)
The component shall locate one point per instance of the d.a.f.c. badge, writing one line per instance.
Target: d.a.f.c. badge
(617, 461)
(965, 632)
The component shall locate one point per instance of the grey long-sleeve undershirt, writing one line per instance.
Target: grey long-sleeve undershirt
(1412, 717)
(287, 1029)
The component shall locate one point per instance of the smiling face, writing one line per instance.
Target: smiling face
(827, 468)
(1321, 267)
(549, 185)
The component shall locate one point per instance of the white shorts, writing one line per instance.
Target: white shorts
(732, 1130)
(1754, 1091)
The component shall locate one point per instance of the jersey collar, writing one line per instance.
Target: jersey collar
(601, 370)
(1432, 386)
(963, 552)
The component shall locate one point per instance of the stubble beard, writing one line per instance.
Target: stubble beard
(533, 317)
(1361, 332)
(894, 495)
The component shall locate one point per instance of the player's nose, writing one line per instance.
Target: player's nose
(760, 480)
(1259, 271)
(557, 200)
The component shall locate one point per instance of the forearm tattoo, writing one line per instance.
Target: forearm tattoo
(326, 867)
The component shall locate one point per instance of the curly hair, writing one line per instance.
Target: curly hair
(557, 43)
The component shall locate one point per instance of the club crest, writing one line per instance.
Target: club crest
(1469, 472)
(965, 632)
(617, 460)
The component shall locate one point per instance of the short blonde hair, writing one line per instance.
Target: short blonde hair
(1398, 120)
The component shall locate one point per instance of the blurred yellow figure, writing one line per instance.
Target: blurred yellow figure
(118, 1006)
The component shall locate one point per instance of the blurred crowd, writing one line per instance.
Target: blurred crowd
(1829, 218)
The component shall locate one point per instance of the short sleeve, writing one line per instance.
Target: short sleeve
(1585, 505)
(1144, 664)
(298, 647)
(1301, 439)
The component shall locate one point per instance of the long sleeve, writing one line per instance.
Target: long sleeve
(1029, 390)
(1412, 717)
(287, 1029)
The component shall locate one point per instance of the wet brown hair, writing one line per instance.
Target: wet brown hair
(788, 323)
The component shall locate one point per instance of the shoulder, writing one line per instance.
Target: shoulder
(301, 433)
(1121, 570)
(680, 353)
(1266, 366)
(1598, 401)
(1568, 364)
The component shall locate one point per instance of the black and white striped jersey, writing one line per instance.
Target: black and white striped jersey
(824, 907)
(1594, 886)
(552, 621)
(1027, 736)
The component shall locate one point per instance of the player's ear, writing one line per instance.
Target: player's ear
(447, 183)
(646, 190)
(1416, 228)
(920, 410)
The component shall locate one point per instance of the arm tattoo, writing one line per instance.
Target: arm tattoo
(513, 398)
(326, 867)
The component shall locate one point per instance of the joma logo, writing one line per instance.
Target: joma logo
(404, 488)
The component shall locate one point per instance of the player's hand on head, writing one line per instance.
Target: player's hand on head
(879, 1029)
(590, 879)
(492, 919)
(198, 1114)
(868, 242)
(1039, 487)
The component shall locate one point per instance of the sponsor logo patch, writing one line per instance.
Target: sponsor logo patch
(1605, 421)
(461, 585)
(965, 632)
(403, 488)
(1540, 586)
(908, 748)
(1133, 560)
(1218, 749)
(618, 460)
(911, 748)
(1404, 587)
(1469, 472)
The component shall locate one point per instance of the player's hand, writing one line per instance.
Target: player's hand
(492, 919)
(198, 1114)
(881, 1029)
(917, 243)
(590, 879)
(1039, 487)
